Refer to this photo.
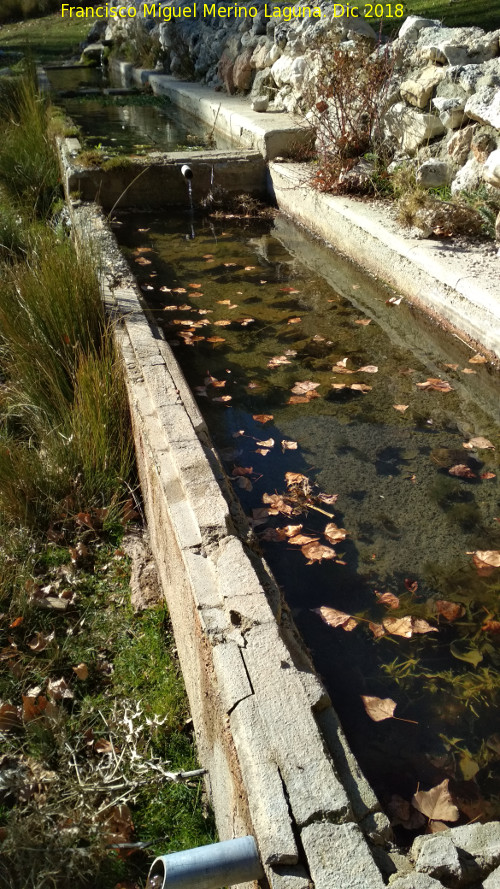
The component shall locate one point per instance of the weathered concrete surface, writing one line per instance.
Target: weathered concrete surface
(270, 771)
(156, 180)
(339, 857)
(446, 284)
(271, 133)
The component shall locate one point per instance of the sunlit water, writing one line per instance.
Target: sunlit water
(410, 523)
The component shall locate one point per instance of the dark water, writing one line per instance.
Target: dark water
(84, 77)
(410, 523)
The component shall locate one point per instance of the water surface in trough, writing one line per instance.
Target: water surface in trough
(261, 316)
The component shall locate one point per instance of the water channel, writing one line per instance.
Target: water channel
(302, 364)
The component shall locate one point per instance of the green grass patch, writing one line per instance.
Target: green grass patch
(49, 39)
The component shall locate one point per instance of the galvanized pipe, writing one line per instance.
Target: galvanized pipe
(207, 867)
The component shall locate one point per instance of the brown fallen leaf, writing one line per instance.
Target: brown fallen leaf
(334, 534)
(242, 470)
(244, 483)
(288, 445)
(277, 504)
(478, 442)
(419, 625)
(478, 359)
(378, 709)
(294, 320)
(435, 385)
(195, 286)
(222, 323)
(262, 451)
(291, 530)
(10, 717)
(360, 387)
(262, 418)
(368, 369)
(487, 475)
(298, 399)
(388, 599)
(34, 705)
(223, 398)
(449, 610)
(335, 618)
(468, 370)
(486, 561)
(411, 585)
(363, 321)
(377, 629)
(268, 443)
(436, 803)
(316, 552)
(302, 539)
(40, 641)
(59, 690)
(401, 407)
(491, 626)
(398, 626)
(294, 478)
(461, 470)
(342, 369)
(215, 339)
(452, 366)
(307, 386)
(82, 671)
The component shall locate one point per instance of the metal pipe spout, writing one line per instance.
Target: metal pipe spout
(207, 867)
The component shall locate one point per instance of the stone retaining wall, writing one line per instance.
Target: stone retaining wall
(279, 766)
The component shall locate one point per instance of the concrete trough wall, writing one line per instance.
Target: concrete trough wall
(156, 180)
(278, 763)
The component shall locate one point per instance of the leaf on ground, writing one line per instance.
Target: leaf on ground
(478, 359)
(449, 610)
(388, 599)
(10, 718)
(40, 641)
(435, 385)
(35, 705)
(335, 618)
(334, 534)
(288, 445)
(368, 369)
(82, 671)
(452, 366)
(316, 552)
(59, 690)
(378, 709)
(436, 803)
(478, 442)
(263, 418)
(401, 407)
(461, 470)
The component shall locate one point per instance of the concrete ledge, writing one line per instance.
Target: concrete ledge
(270, 133)
(156, 180)
(436, 280)
(270, 770)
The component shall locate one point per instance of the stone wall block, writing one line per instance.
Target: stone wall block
(339, 858)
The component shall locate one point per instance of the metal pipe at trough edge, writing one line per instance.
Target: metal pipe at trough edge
(208, 867)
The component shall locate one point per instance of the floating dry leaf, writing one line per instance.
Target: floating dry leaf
(461, 470)
(436, 803)
(468, 370)
(288, 445)
(277, 504)
(486, 561)
(278, 360)
(328, 498)
(478, 442)
(307, 386)
(407, 626)
(302, 539)
(223, 398)
(378, 708)
(360, 387)
(263, 418)
(449, 610)
(341, 369)
(411, 585)
(242, 470)
(335, 618)
(244, 483)
(478, 359)
(393, 301)
(268, 443)
(487, 475)
(401, 407)
(316, 552)
(262, 451)
(368, 369)
(388, 599)
(294, 320)
(215, 339)
(222, 323)
(300, 399)
(363, 321)
(491, 626)
(294, 478)
(377, 629)
(334, 534)
(82, 671)
(435, 385)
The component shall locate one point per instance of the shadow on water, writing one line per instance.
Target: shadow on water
(253, 308)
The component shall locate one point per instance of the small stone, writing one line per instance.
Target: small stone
(415, 881)
(493, 881)
(260, 103)
(451, 112)
(418, 91)
(482, 841)
(484, 106)
(438, 857)
(414, 24)
(434, 174)
(459, 145)
(491, 169)
(411, 128)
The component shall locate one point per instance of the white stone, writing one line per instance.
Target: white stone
(418, 90)
(433, 174)
(411, 28)
(410, 128)
(451, 112)
(493, 881)
(438, 857)
(415, 881)
(469, 177)
(491, 169)
(339, 857)
(482, 841)
(260, 103)
(484, 106)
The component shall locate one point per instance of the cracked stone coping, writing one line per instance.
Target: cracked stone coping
(291, 783)
(441, 278)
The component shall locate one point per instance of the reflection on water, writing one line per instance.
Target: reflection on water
(249, 320)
